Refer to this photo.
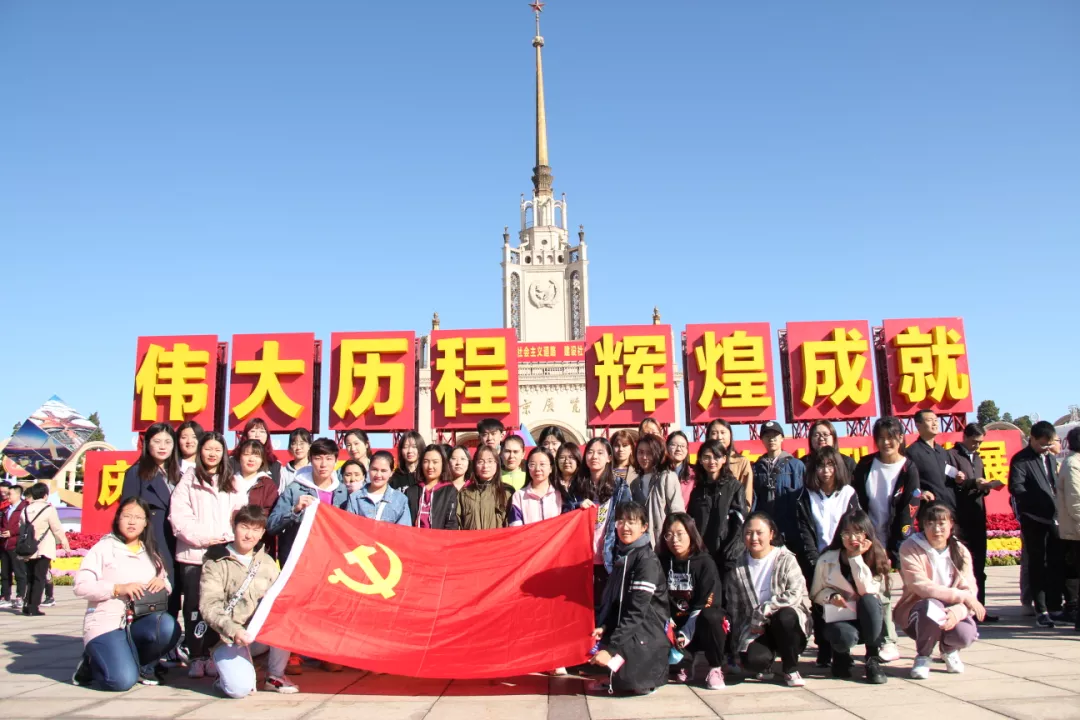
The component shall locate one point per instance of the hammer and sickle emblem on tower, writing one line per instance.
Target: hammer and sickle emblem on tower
(378, 585)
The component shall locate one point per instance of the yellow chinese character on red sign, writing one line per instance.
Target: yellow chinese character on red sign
(833, 369)
(372, 371)
(734, 370)
(269, 368)
(927, 361)
(481, 376)
(179, 375)
(628, 370)
(112, 482)
(995, 462)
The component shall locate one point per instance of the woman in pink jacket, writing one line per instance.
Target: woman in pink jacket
(123, 566)
(201, 514)
(940, 599)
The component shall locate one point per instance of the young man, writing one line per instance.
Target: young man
(315, 483)
(10, 565)
(938, 477)
(513, 454)
(1032, 481)
(970, 506)
(778, 480)
(492, 433)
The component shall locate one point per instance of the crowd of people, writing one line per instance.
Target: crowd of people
(743, 562)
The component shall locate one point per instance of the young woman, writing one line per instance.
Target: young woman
(188, 436)
(850, 575)
(353, 474)
(377, 500)
(596, 485)
(434, 504)
(201, 516)
(226, 576)
(718, 505)
(622, 456)
(677, 461)
(632, 621)
(887, 484)
(940, 597)
(409, 449)
(482, 504)
(254, 481)
(542, 498)
(460, 467)
(567, 465)
(256, 429)
(123, 566)
(49, 532)
(1067, 501)
(317, 485)
(551, 438)
(299, 445)
(741, 467)
(769, 605)
(153, 479)
(655, 488)
(649, 426)
(358, 446)
(695, 595)
(823, 434)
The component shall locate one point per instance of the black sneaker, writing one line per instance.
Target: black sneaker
(1063, 616)
(841, 665)
(874, 674)
(83, 675)
(1043, 620)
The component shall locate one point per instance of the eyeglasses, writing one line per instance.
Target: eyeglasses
(675, 536)
(822, 436)
(133, 518)
(628, 521)
(853, 536)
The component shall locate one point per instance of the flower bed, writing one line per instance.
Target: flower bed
(1003, 545)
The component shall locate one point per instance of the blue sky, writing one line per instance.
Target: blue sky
(209, 167)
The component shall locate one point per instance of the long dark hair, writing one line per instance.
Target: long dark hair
(256, 447)
(940, 511)
(193, 427)
(584, 488)
(444, 476)
(716, 448)
(875, 558)
(686, 472)
(496, 480)
(551, 431)
(224, 470)
(253, 423)
(654, 446)
(571, 449)
(724, 424)
(553, 477)
(468, 458)
(821, 456)
(148, 465)
(697, 544)
(402, 466)
(147, 536)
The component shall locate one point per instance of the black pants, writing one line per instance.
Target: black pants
(198, 640)
(599, 582)
(868, 627)
(709, 636)
(973, 534)
(783, 636)
(11, 567)
(36, 571)
(1046, 564)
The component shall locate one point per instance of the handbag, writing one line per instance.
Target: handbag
(147, 604)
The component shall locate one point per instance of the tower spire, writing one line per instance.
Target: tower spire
(542, 178)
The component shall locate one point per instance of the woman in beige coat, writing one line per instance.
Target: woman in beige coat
(1068, 501)
(48, 532)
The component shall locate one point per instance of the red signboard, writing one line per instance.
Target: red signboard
(927, 365)
(550, 352)
(175, 380)
(629, 375)
(831, 370)
(473, 376)
(373, 381)
(272, 378)
(103, 481)
(729, 373)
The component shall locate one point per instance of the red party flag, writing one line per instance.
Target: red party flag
(434, 603)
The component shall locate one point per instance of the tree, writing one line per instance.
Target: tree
(16, 428)
(987, 412)
(1024, 423)
(1007, 417)
(98, 434)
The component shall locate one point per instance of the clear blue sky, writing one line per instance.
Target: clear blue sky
(223, 167)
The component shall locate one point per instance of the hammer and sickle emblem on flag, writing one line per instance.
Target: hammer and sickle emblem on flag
(379, 585)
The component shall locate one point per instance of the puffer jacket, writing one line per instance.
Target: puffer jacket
(47, 528)
(201, 516)
(664, 498)
(719, 510)
(788, 588)
(479, 508)
(222, 577)
(108, 564)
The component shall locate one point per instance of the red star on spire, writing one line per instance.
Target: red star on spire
(537, 6)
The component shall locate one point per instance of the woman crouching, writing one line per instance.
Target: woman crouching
(235, 578)
(632, 621)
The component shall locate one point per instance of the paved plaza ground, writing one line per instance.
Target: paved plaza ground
(1013, 671)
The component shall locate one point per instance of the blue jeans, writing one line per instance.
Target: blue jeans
(115, 658)
(236, 671)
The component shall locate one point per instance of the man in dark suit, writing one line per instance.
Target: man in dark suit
(970, 507)
(1032, 479)
(937, 475)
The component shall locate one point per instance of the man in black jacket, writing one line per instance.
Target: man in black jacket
(937, 475)
(970, 506)
(1032, 478)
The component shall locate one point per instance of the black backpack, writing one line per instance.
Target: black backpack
(27, 544)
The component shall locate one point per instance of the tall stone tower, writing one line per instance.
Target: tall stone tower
(545, 278)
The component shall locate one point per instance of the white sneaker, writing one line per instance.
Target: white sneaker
(17, 604)
(559, 672)
(953, 663)
(5, 604)
(197, 669)
(889, 652)
(921, 669)
(794, 679)
(282, 685)
(211, 668)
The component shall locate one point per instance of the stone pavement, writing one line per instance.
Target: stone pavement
(1013, 671)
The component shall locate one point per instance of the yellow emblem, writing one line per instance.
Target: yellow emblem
(379, 584)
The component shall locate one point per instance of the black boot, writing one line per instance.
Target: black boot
(841, 665)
